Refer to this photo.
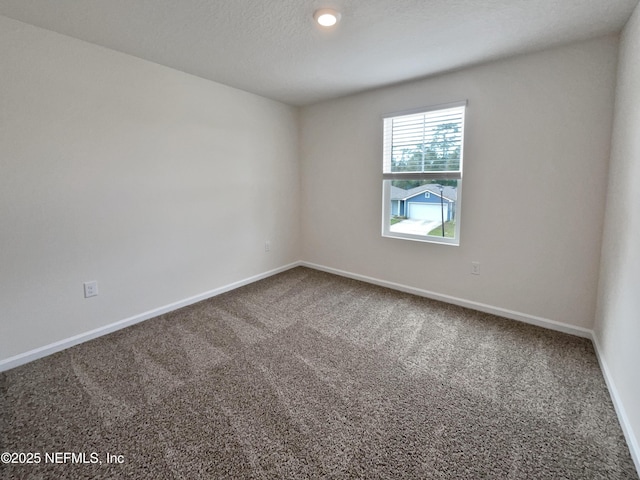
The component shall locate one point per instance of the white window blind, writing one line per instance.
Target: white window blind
(424, 144)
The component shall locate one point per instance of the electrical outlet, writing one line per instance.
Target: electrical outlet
(475, 268)
(90, 289)
(267, 246)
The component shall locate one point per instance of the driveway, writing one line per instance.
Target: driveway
(414, 227)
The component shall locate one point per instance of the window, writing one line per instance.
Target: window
(422, 174)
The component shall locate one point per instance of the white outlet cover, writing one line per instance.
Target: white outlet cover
(90, 289)
(475, 268)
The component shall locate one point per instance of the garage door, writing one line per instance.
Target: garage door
(425, 211)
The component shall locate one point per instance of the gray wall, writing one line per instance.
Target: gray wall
(617, 327)
(157, 184)
(162, 186)
(536, 155)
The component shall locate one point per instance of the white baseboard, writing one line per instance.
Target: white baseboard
(40, 352)
(629, 435)
(45, 350)
(502, 312)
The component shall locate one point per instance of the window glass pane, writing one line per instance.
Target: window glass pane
(424, 142)
(423, 207)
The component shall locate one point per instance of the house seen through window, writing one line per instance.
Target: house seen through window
(422, 174)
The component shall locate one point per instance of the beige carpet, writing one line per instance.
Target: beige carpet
(309, 375)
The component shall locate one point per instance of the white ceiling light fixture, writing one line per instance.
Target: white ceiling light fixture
(326, 17)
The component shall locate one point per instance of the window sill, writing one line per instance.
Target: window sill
(452, 242)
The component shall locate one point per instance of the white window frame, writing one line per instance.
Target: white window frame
(388, 177)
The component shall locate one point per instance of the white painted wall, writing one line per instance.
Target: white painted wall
(536, 157)
(161, 186)
(617, 327)
(155, 183)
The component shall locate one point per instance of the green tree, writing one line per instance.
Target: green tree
(440, 153)
(444, 140)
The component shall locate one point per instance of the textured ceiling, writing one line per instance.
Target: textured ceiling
(273, 48)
